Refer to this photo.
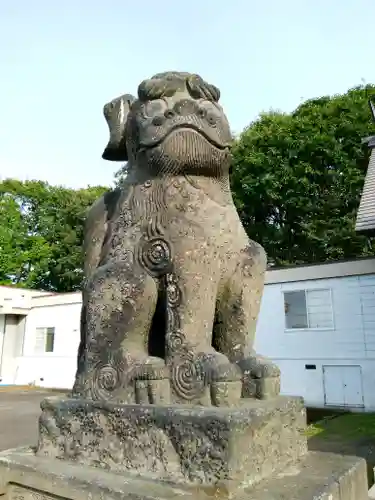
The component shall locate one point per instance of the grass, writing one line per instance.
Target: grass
(346, 434)
(349, 426)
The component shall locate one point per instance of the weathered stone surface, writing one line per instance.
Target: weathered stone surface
(172, 282)
(182, 444)
(320, 476)
(371, 492)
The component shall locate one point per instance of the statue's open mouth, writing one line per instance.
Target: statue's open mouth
(215, 144)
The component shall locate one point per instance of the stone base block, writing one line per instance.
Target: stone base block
(180, 444)
(319, 476)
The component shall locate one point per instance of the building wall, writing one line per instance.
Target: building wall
(2, 332)
(12, 346)
(57, 368)
(13, 293)
(349, 339)
(340, 300)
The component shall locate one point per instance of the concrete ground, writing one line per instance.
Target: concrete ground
(19, 413)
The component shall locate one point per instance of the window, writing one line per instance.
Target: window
(44, 340)
(308, 309)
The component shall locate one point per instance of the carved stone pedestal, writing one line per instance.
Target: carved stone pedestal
(91, 450)
(179, 444)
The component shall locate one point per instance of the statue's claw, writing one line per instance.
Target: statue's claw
(261, 377)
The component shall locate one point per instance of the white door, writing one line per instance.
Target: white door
(342, 385)
(11, 348)
(333, 386)
(352, 380)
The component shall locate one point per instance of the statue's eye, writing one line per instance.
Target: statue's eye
(211, 119)
(202, 113)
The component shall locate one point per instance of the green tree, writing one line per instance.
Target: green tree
(18, 248)
(41, 232)
(120, 174)
(297, 179)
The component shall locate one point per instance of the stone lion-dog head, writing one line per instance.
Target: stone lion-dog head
(175, 126)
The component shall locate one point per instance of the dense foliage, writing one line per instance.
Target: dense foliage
(41, 234)
(297, 179)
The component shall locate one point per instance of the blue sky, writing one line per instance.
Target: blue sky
(61, 61)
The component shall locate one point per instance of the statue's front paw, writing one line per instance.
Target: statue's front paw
(204, 379)
(152, 385)
(260, 377)
(225, 380)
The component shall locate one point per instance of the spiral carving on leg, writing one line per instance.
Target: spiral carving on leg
(188, 376)
(106, 381)
(173, 291)
(175, 340)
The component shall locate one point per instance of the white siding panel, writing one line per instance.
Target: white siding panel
(367, 280)
(351, 342)
(367, 300)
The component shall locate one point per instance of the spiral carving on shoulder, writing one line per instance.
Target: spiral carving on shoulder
(155, 255)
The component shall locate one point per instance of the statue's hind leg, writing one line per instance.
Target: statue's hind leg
(119, 303)
(237, 315)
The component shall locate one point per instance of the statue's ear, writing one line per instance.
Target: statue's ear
(116, 114)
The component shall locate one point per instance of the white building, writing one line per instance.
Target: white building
(39, 337)
(316, 322)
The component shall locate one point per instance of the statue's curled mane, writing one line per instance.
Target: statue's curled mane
(168, 83)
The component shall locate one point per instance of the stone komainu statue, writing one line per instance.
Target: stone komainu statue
(172, 282)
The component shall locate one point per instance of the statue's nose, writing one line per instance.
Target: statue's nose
(185, 107)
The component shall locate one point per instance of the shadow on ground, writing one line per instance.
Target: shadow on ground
(344, 433)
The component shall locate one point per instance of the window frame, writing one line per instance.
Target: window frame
(310, 329)
(45, 329)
